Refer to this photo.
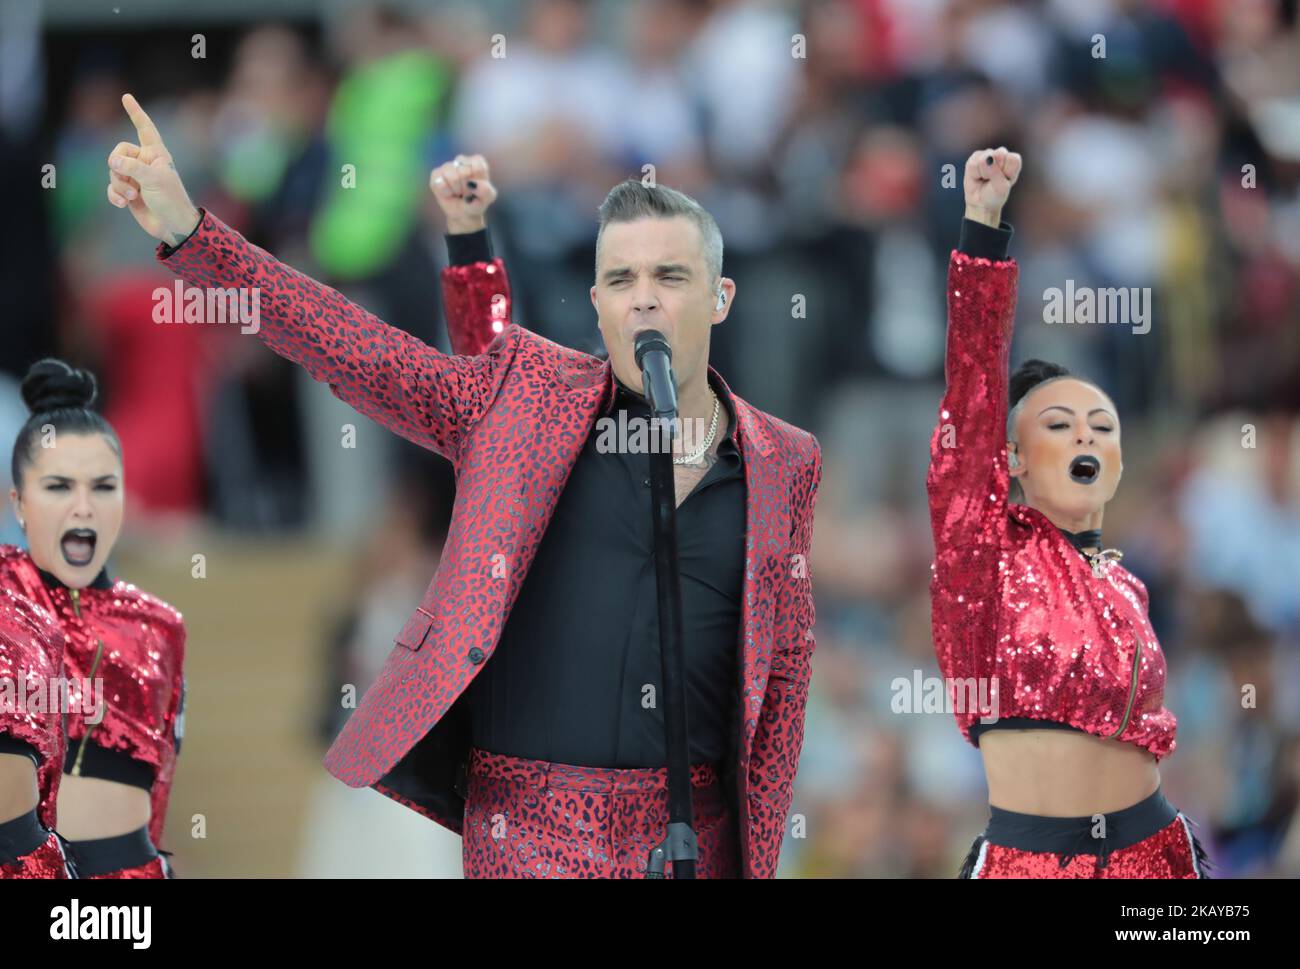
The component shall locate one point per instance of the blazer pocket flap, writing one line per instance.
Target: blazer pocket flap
(415, 631)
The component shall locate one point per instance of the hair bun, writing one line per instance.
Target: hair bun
(51, 385)
(1031, 373)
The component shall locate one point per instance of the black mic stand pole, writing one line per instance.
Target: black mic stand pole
(680, 845)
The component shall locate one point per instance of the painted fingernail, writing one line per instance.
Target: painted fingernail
(988, 159)
(116, 163)
(130, 193)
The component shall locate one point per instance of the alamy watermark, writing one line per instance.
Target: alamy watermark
(1088, 304)
(649, 435)
(209, 304)
(950, 695)
(39, 695)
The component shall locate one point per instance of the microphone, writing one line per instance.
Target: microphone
(654, 359)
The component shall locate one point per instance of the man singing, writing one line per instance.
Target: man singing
(549, 760)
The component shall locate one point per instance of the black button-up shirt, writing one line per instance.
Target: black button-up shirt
(576, 675)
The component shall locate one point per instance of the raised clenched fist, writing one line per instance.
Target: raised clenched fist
(990, 173)
(464, 191)
(142, 178)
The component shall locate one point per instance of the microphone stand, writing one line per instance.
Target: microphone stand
(680, 844)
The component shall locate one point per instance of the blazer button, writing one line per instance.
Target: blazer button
(476, 655)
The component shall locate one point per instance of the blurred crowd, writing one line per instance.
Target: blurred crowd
(1161, 141)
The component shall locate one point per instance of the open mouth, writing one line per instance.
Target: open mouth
(1085, 469)
(78, 546)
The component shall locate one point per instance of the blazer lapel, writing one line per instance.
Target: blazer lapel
(579, 385)
(767, 531)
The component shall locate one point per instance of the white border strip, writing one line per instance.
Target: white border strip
(979, 861)
(1191, 844)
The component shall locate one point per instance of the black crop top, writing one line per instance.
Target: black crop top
(109, 765)
(12, 745)
(1018, 723)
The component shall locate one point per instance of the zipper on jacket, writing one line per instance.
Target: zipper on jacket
(1133, 686)
(75, 595)
(1133, 680)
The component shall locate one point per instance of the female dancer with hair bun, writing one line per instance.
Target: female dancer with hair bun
(1028, 607)
(123, 648)
(31, 741)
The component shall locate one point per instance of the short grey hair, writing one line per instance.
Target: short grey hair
(631, 200)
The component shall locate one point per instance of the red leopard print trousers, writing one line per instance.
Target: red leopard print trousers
(535, 819)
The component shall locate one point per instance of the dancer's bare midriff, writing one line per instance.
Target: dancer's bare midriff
(18, 790)
(92, 807)
(1064, 774)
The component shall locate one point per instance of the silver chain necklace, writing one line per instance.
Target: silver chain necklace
(708, 441)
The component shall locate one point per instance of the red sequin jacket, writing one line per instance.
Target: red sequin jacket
(512, 419)
(1016, 610)
(31, 690)
(135, 644)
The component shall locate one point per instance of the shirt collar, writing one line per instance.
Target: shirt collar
(620, 396)
(102, 581)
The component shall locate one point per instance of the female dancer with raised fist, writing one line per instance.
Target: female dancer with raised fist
(1028, 607)
(123, 648)
(475, 287)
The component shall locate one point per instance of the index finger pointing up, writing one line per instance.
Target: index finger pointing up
(144, 128)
